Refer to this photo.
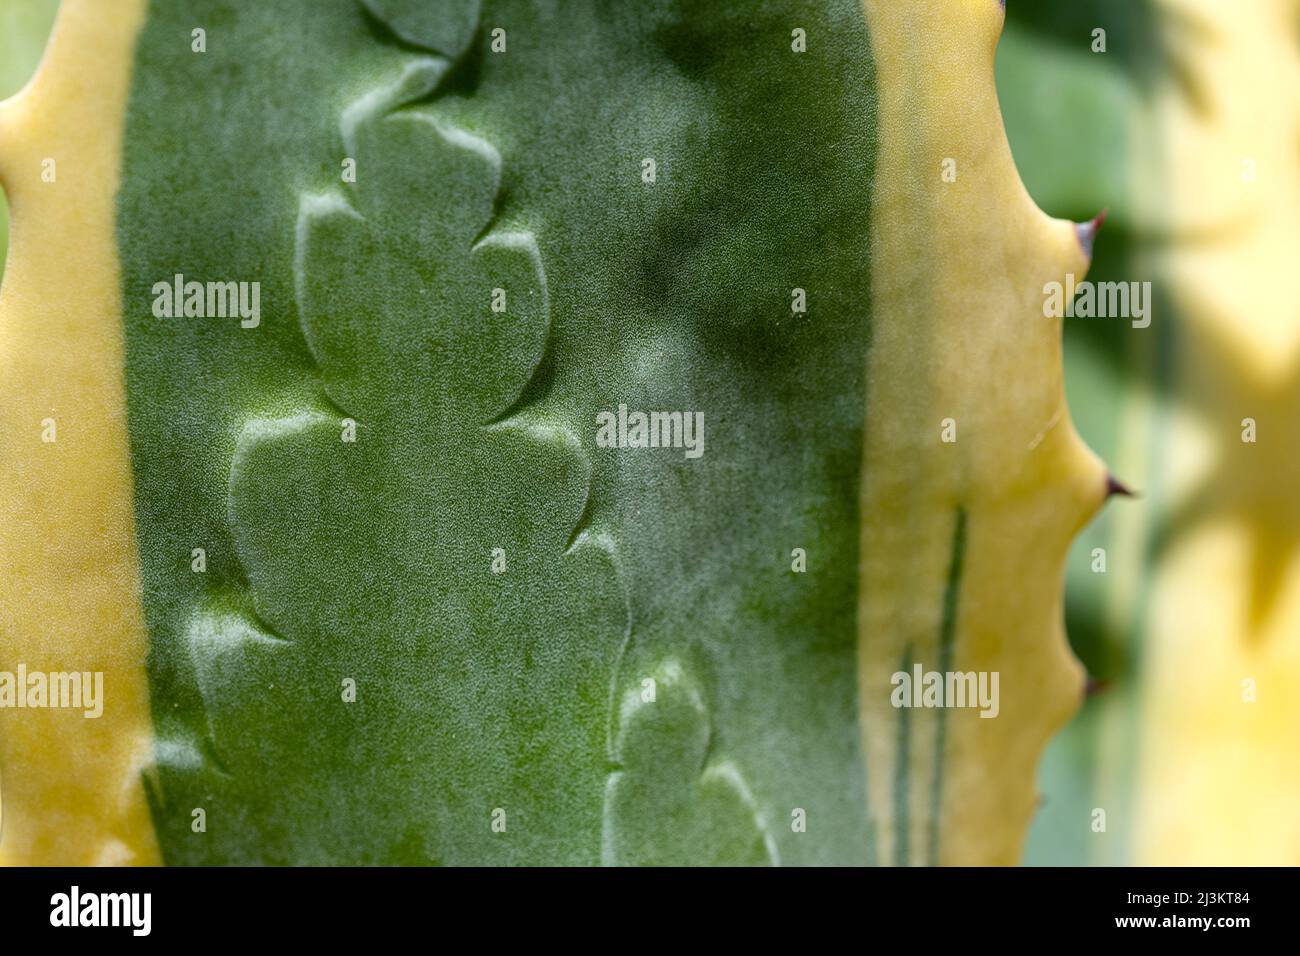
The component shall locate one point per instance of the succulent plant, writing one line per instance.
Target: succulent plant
(1186, 128)
(380, 563)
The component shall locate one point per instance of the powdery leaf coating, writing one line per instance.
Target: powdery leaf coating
(371, 559)
(445, 26)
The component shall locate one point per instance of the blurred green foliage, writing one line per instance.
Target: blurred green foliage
(1077, 120)
(24, 27)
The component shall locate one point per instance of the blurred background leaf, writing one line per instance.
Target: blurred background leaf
(1184, 127)
(24, 27)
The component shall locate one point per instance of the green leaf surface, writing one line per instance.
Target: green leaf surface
(522, 691)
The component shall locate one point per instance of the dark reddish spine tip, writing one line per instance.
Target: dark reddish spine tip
(1092, 686)
(1087, 231)
(1116, 487)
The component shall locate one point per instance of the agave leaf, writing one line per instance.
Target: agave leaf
(438, 619)
(1047, 59)
(1197, 597)
(618, 565)
(70, 775)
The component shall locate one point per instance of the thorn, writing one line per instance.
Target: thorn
(1116, 487)
(1092, 686)
(1087, 231)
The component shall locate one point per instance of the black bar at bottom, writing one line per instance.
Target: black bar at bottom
(333, 906)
